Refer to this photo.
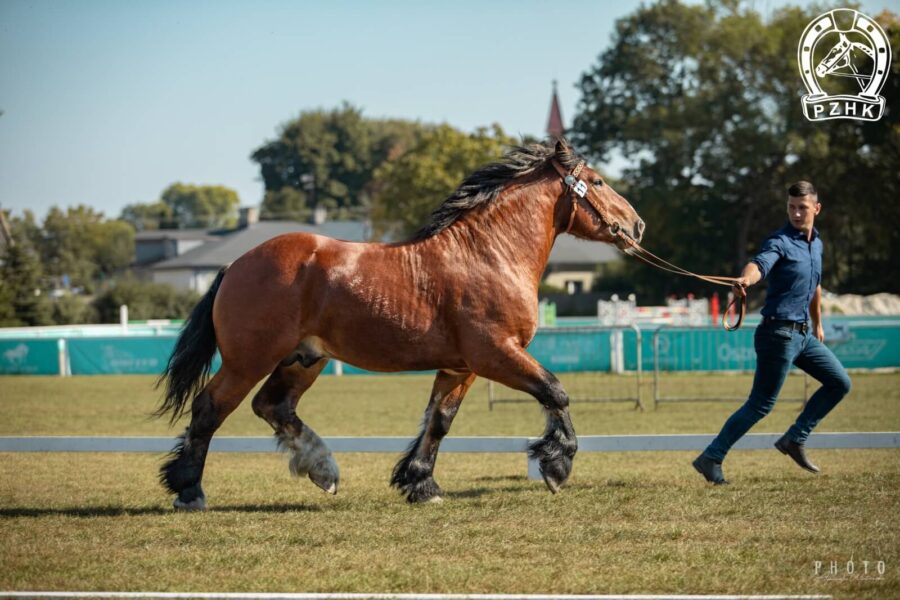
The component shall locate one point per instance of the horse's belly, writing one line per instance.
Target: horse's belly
(380, 346)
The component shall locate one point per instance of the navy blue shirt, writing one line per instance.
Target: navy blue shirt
(793, 266)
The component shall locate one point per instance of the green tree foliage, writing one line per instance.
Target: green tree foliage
(208, 206)
(150, 216)
(705, 102)
(22, 298)
(83, 245)
(413, 185)
(145, 300)
(327, 158)
(73, 309)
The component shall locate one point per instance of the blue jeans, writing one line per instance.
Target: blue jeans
(777, 347)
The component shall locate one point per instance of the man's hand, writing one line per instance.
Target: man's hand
(820, 332)
(749, 276)
(739, 288)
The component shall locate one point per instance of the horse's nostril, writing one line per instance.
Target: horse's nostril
(639, 229)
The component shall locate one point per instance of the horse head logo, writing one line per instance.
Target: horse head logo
(861, 52)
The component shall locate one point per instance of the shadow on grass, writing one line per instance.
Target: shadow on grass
(501, 478)
(120, 511)
(267, 508)
(485, 491)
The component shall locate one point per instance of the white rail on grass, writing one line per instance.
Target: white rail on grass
(362, 596)
(586, 443)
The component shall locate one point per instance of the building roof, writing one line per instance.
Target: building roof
(570, 250)
(175, 234)
(225, 249)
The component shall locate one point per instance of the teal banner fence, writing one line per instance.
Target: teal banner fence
(859, 345)
(29, 357)
(122, 355)
(869, 345)
(563, 351)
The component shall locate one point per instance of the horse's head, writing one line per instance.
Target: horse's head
(590, 208)
(833, 60)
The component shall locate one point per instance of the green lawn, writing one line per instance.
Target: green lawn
(626, 523)
(393, 405)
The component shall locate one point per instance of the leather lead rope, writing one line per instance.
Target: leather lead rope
(575, 188)
(664, 265)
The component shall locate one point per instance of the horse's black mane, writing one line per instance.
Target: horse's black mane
(485, 184)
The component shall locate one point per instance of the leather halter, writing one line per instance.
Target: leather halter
(571, 182)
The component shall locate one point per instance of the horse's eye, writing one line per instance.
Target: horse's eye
(598, 182)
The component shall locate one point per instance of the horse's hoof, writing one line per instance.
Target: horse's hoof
(552, 484)
(327, 480)
(190, 499)
(198, 504)
(556, 473)
(435, 500)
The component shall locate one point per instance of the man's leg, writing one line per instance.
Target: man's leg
(820, 362)
(775, 351)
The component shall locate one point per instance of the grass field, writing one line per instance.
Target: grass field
(626, 523)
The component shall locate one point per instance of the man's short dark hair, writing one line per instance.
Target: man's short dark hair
(802, 188)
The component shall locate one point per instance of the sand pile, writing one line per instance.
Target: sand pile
(852, 304)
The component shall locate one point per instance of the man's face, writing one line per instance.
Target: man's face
(802, 211)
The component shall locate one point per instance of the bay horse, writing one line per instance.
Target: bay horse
(460, 298)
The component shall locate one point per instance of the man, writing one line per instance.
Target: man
(790, 333)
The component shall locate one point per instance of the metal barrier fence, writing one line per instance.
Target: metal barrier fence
(701, 349)
(583, 351)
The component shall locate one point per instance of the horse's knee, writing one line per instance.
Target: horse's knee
(441, 419)
(552, 395)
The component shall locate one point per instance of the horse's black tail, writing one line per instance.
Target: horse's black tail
(188, 367)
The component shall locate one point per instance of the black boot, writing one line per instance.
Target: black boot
(788, 446)
(710, 469)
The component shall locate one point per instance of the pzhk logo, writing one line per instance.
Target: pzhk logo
(846, 47)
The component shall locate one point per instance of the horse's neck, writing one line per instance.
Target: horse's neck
(514, 234)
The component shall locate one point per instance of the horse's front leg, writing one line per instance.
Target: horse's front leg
(557, 447)
(413, 475)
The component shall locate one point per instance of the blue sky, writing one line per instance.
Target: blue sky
(108, 102)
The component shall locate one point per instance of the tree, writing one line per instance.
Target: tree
(705, 100)
(81, 245)
(327, 159)
(208, 206)
(150, 216)
(22, 298)
(145, 300)
(413, 185)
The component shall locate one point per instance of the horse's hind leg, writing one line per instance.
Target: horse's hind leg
(183, 472)
(413, 475)
(276, 402)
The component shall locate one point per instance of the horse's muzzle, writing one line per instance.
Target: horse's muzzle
(638, 231)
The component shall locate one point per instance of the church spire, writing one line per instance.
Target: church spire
(555, 129)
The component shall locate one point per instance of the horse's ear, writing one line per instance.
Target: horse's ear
(561, 146)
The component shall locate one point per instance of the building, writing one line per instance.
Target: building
(196, 268)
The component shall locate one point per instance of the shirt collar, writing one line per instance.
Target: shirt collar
(796, 234)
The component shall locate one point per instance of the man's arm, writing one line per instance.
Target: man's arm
(749, 276)
(815, 313)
